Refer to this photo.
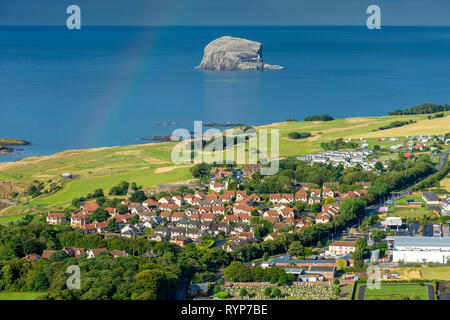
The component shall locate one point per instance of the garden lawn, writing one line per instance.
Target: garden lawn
(388, 291)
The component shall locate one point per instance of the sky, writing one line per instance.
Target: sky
(226, 12)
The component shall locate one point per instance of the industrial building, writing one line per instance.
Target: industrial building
(421, 249)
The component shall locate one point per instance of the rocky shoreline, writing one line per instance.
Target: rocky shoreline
(7, 145)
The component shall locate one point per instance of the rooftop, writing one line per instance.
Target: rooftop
(422, 241)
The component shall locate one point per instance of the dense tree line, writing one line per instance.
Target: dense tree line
(421, 109)
(396, 124)
(323, 117)
(299, 135)
(339, 144)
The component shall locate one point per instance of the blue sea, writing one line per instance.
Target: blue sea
(108, 86)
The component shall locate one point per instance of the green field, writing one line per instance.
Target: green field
(20, 295)
(150, 164)
(6, 219)
(390, 291)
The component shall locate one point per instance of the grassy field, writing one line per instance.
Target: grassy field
(445, 183)
(150, 164)
(20, 295)
(423, 273)
(6, 219)
(391, 290)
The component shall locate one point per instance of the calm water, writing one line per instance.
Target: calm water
(106, 86)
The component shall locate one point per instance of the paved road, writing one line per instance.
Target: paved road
(362, 291)
(443, 159)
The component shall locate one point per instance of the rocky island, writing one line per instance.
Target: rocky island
(6, 145)
(234, 54)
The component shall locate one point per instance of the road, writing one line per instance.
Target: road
(443, 160)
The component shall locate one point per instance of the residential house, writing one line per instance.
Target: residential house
(56, 218)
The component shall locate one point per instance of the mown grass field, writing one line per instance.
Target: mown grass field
(388, 291)
(150, 164)
(20, 295)
(422, 273)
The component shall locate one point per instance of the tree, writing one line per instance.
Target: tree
(243, 292)
(113, 226)
(282, 280)
(300, 206)
(122, 209)
(276, 292)
(99, 215)
(59, 255)
(378, 166)
(138, 196)
(120, 189)
(98, 193)
(200, 170)
(337, 291)
(336, 281)
(296, 249)
(134, 220)
(267, 291)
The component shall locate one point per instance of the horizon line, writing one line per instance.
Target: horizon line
(221, 25)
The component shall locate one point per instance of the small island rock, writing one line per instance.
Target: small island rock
(234, 54)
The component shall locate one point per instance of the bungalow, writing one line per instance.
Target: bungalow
(46, 254)
(118, 253)
(316, 192)
(323, 217)
(178, 200)
(207, 217)
(92, 253)
(181, 240)
(287, 198)
(150, 203)
(177, 216)
(243, 209)
(195, 217)
(159, 237)
(255, 197)
(56, 218)
(274, 197)
(287, 213)
(313, 199)
(166, 215)
(216, 186)
(240, 195)
(111, 211)
(246, 235)
(32, 257)
(327, 192)
(218, 209)
(204, 209)
(74, 252)
(225, 198)
(89, 206)
(244, 217)
(301, 196)
(165, 199)
(231, 217)
(271, 236)
(89, 228)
